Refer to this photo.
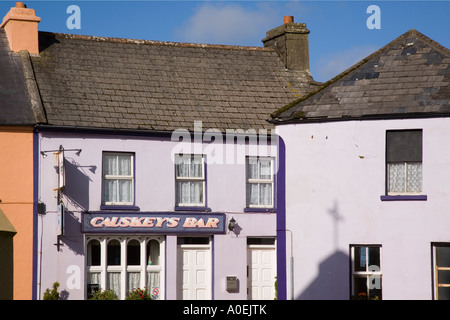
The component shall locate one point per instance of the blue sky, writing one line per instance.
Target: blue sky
(339, 34)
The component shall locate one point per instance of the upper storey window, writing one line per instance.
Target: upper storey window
(118, 178)
(404, 162)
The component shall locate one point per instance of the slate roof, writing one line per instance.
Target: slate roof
(19, 104)
(95, 82)
(408, 77)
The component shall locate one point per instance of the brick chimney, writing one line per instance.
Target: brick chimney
(290, 40)
(21, 27)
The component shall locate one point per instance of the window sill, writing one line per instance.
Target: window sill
(270, 210)
(119, 207)
(193, 208)
(420, 197)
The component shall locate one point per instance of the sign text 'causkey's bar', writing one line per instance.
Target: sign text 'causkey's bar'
(159, 222)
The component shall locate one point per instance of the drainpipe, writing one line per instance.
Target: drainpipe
(291, 262)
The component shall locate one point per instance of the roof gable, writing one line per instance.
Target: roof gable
(410, 76)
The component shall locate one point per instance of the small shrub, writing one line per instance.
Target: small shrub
(104, 295)
(139, 294)
(53, 294)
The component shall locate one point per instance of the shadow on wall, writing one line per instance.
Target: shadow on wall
(77, 183)
(76, 191)
(332, 282)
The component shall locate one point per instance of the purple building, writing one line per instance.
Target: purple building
(157, 167)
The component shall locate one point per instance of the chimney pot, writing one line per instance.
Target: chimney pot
(20, 5)
(288, 19)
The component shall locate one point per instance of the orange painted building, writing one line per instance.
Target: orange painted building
(17, 204)
(20, 110)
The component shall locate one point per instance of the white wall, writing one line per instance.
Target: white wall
(335, 175)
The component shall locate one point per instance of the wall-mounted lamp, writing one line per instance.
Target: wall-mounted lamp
(77, 151)
(231, 224)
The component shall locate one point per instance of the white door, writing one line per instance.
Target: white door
(194, 272)
(261, 264)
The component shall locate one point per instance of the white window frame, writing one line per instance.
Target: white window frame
(188, 179)
(367, 273)
(123, 268)
(118, 177)
(260, 181)
(436, 269)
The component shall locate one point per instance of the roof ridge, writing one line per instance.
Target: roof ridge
(420, 35)
(156, 42)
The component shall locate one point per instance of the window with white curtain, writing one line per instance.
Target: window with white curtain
(123, 264)
(404, 161)
(260, 178)
(190, 180)
(118, 178)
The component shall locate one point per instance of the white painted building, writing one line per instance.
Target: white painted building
(367, 166)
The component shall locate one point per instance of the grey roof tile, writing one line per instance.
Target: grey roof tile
(408, 76)
(132, 84)
(20, 103)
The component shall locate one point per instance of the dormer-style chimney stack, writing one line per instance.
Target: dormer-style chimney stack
(21, 27)
(290, 40)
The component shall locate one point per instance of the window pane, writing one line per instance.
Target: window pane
(153, 252)
(133, 253)
(443, 276)
(109, 164)
(374, 258)
(375, 287)
(196, 168)
(189, 166)
(444, 293)
(182, 192)
(182, 166)
(404, 146)
(133, 280)
(252, 168)
(265, 169)
(113, 253)
(153, 281)
(360, 285)
(190, 192)
(360, 259)
(125, 190)
(113, 282)
(443, 256)
(93, 278)
(252, 193)
(396, 176)
(93, 283)
(93, 251)
(414, 177)
(124, 162)
(196, 192)
(110, 191)
(265, 194)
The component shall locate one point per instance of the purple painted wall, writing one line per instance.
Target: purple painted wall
(154, 192)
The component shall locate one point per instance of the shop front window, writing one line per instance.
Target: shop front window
(141, 266)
